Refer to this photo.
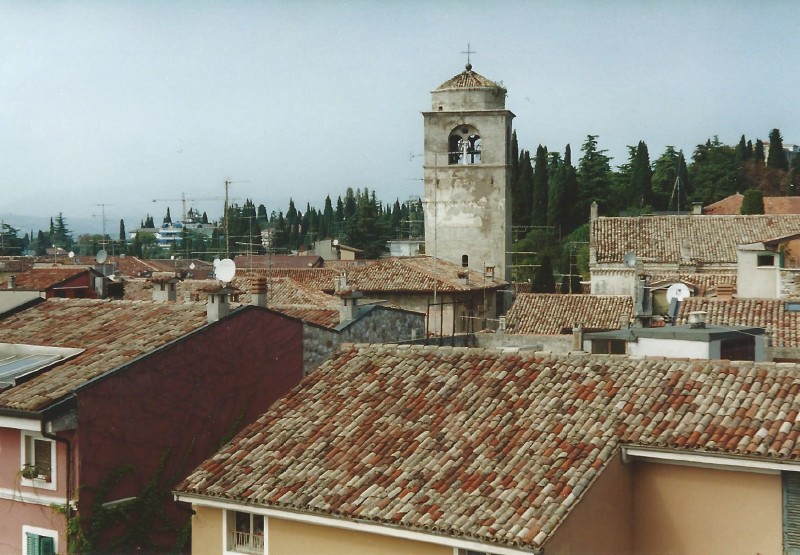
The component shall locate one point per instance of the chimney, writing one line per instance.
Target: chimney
(697, 209)
(164, 289)
(258, 291)
(217, 306)
(340, 282)
(697, 319)
(348, 310)
(187, 297)
(593, 212)
(12, 282)
(501, 324)
(577, 337)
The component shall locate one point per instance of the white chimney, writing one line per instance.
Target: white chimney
(348, 310)
(217, 305)
(165, 289)
(577, 337)
(12, 282)
(697, 319)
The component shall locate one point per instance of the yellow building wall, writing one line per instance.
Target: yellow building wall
(602, 522)
(288, 537)
(685, 510)
(206, 531)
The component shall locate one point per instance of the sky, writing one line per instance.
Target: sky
(106, 106)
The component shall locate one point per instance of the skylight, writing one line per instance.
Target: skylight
(18, 360)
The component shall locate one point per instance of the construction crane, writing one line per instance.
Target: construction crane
(183, 200)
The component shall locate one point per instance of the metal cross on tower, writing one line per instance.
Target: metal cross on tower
(468, 52)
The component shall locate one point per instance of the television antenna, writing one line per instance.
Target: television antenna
(225, 213)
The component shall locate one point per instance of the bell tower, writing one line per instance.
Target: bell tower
(467, 174)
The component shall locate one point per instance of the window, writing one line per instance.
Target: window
(765, 260)
(464, 146)
(38, 541)
(38, 457)
(245, 532)
(791, 513)
(608, 346)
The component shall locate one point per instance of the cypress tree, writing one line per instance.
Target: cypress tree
(641, 185)
(122, 235)
(543, 280)
(753, 202)
(539, 208)
(758, 153)
(777, 156)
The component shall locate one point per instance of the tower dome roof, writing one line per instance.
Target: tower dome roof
(468, 79)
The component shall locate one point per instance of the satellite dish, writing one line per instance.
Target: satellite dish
(102, 256)
(172, 257)
(192, 266)
(216, 262)
(71, 254)
(629, 259)
(226, 269)
(335, 242)
(678, 291)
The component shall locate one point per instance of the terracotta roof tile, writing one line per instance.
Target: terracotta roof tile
(110, 332)
(467, 79)
(708, 240)
(549, 314)
(45, 278)
(781, 325)
(491, 446)
(772, 205)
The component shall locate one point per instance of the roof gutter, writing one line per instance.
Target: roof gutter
(354, 525)
(716, 461)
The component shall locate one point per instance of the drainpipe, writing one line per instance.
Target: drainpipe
(68, 444)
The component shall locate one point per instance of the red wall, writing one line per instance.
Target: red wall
(83, 283)
(184, 400)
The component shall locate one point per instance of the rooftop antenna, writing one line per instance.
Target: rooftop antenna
(225, 214)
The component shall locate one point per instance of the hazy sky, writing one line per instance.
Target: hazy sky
(124, 102)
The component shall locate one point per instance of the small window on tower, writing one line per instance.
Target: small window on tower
(464, 260)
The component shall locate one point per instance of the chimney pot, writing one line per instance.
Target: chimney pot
(258, 291)
(12, 282)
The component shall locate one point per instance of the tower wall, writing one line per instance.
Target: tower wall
(468, 205)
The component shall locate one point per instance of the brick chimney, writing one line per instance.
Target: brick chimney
(258, 291)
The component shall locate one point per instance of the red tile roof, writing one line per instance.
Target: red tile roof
(707, 240)
(781, 325)
(467, 79)
(41, 279)
(550, 314)
(110, 332)
(772, 205)
(489, 446)
(397, 275)
(279, 261)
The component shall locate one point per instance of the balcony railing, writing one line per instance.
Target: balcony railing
(243, 542)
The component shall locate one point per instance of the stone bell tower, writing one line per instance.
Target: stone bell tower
(467, 174)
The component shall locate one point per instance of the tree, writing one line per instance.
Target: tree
(10, 243)
(122, 235)
(61, 235)
(714, 173)
(167, 217)
(594, 176)
(641, 184)
(543, 280)
(753, 202)
(777, 156)
(539, 208)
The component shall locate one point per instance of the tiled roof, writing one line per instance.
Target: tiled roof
(279, 261)
(782, 326)
(397, 275)
(489, 446)
(111, 333)
(416, 274)
(772, 205)
(10, 264)
(467, 79)
(45, 278)
(132, 266)
(550, 314)
(704, 239)
(702, 281)
(328, 318)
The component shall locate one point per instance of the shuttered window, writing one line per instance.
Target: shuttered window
(39, 545)
(791, 513)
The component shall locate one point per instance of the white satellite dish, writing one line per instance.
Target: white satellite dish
(216, 262)
(629, 259)
(335, 242)
(71, 254)
(102, 256)
(678, 291)
(192, 266)
(226, 269)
